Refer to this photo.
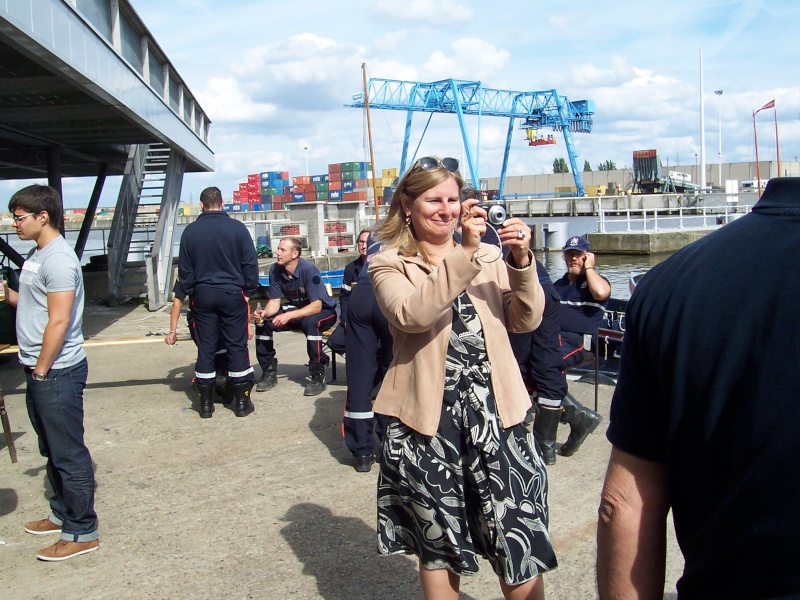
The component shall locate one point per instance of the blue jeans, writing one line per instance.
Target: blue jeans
(55, 407)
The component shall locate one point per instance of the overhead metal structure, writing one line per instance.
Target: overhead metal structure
(85, 91)
(536, 109)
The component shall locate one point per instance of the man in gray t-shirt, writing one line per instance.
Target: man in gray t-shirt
(49, 330)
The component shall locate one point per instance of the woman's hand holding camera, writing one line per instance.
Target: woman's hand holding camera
(517, 236)
(473, 225)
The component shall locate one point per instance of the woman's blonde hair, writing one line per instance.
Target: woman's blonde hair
(393, 230)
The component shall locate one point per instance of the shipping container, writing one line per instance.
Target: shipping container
(310, 197)
(356, 166)
(319, 178)
(351, 196)
(335, 195)
(322, 187)
(322, 195)
(298, 197)
(348, 185)
(334, 168)
(390, 173)
(334, 185)
(301, 180)
(227, 207)
(335, 176)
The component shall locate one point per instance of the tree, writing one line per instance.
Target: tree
(609, 165)
(586, 166)
(560, 166)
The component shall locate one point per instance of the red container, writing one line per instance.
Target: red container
(311, 196)
(254, 178)
(237, 195)
(337, 176)
(334, 186)
(301, 180)
(243, 187)
(337, 168)
(352, 196)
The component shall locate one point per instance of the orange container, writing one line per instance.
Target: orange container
(311, 196)
(351, 196)
(334, 186)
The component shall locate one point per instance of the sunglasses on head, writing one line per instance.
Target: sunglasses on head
(431, 163)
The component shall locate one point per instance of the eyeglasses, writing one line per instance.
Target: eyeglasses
(20, 218)
(431, 163)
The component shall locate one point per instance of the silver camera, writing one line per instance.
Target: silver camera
(495, 213)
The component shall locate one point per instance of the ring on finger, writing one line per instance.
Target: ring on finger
(520, 234)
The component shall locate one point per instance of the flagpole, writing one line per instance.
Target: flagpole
(777, 144)
(758, 166)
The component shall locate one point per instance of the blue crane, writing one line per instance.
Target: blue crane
(536, 109)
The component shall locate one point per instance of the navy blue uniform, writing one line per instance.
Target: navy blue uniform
(708, 388)
(336, 341)
(580, 314)
(539, 352)
(221, 357)
(299, 290)
(369, 353)
(218, 270)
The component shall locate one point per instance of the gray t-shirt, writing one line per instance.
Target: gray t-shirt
(54, 268)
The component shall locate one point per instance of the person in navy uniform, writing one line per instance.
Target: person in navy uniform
(704, 417)
(337, 341)
(584, 296)
(218, 270)
(369, 354)
(309, 307)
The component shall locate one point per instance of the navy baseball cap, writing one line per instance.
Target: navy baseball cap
(581, 244)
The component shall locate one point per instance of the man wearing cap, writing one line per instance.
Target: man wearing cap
(584, 295)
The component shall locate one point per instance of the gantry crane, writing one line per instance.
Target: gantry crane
(536, 109)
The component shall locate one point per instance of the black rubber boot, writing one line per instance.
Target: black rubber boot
(222, 389)
(317, 384)
(545, 427)
(241, 392)
(206, 393)
(269, 378)
(582, 422)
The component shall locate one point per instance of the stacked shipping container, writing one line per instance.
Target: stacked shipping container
(272, 190)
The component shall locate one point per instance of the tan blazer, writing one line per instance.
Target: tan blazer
(418, 306)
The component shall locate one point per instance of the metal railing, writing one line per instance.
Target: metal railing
(661, 219)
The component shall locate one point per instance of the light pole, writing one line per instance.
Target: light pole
(719, 113)
(306, 149)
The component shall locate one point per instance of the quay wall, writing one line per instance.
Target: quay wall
(659, 242)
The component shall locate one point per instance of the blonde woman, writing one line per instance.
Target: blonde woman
(460, 475)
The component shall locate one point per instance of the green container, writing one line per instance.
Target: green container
(322, 187)
(8, 314)
(322, 195)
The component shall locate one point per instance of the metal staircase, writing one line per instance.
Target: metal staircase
(140, 245)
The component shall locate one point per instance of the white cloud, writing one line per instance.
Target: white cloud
(224, 100)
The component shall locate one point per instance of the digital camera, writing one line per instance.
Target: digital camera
(495, 213)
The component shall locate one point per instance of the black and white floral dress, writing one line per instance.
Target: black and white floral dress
(472, 489)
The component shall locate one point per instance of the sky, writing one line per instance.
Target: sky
(274, 77)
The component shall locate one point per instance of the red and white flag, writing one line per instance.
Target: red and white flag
(770, 104)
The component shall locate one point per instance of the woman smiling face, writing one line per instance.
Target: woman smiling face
(434, 213)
